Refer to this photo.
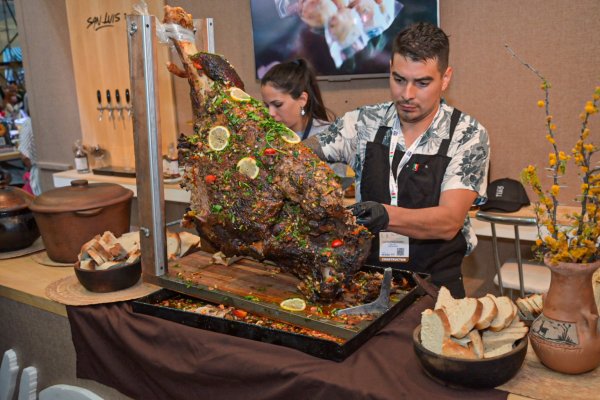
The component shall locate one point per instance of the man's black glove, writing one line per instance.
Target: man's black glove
(371, 214)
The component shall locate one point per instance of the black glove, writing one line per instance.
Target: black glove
(371, 214)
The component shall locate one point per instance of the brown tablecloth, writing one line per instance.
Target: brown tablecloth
(146, 357)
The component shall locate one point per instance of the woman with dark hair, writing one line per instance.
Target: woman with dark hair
(292, 95)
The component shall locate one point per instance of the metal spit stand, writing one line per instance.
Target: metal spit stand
(142, 44)
(147, 139)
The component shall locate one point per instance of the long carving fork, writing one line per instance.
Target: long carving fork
(380, 305)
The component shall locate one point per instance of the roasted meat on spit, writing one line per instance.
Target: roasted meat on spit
(255, 190)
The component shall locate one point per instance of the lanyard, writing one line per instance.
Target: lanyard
(393, 143)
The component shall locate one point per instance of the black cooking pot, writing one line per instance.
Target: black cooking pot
(17, 224)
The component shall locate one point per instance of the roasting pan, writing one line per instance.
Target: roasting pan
(353, 336)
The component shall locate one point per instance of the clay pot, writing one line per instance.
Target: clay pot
(566, 336)
(70, 216)
(18, 229)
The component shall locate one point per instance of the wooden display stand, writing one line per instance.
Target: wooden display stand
(98, 32)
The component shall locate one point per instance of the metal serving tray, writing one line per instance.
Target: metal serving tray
(318, 347)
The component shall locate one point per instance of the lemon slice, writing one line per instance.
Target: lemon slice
(290, 136)
(218, 137)
(238, 94)
(293, 304)
(248, 167)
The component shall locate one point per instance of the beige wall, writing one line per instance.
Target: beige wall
(558, 37)
(49, 78)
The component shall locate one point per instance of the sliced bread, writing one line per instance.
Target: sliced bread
(435, 330)
(498, 350)
(130, 241)
(463, 314)
(490, 345)
(108, 264)
(489, 311)
(444, 299)
(538, 302)
(516, 322)
(476, 343)
(525, 308)
(87, 263)
(189, 241)
(108, 238)
(453, 349)
(491, 342)
(518, 330)
(463, 341)
(173, 245)
(506, 313)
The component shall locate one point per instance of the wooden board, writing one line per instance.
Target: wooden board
(243, 278)
(258, 288)
(98, 33)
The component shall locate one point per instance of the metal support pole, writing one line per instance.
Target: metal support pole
(144, 97)
(497, 258)
(519, 261)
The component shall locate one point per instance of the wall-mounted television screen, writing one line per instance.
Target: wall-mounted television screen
(341, 39)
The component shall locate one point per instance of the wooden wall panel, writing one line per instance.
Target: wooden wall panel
(98, 35)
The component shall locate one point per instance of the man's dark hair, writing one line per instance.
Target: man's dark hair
(423, 41)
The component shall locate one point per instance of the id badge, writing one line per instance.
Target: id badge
(393, 247)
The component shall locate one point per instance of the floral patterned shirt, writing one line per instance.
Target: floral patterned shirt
(345, 141)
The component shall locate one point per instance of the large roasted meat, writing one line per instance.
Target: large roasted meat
(255, 189)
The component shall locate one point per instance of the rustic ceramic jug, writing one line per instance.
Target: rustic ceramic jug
(566, 336)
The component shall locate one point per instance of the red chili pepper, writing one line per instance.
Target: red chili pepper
(210, 179)
(197, 65)
(240, 313)
(337, 243)
(269, 151)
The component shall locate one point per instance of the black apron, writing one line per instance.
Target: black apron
(419, 186)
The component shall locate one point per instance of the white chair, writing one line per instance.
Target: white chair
(527, 277)
(28, 389)
(8, 374)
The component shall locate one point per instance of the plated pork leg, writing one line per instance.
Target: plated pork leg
(255, 189)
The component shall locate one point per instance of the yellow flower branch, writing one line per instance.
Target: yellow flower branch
(577, 242)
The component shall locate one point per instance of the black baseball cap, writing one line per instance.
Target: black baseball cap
(506, 195)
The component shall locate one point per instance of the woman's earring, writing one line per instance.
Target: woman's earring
(302, 112)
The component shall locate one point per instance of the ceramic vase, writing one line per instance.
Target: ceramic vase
(566, 336)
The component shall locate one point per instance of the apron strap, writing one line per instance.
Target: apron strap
(307, 130)
(382, 131)
(443, 150)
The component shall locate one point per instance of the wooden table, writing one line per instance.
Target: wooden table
(24, 281)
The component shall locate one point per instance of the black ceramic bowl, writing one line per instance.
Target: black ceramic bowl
(484, 373)
(109, 280)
